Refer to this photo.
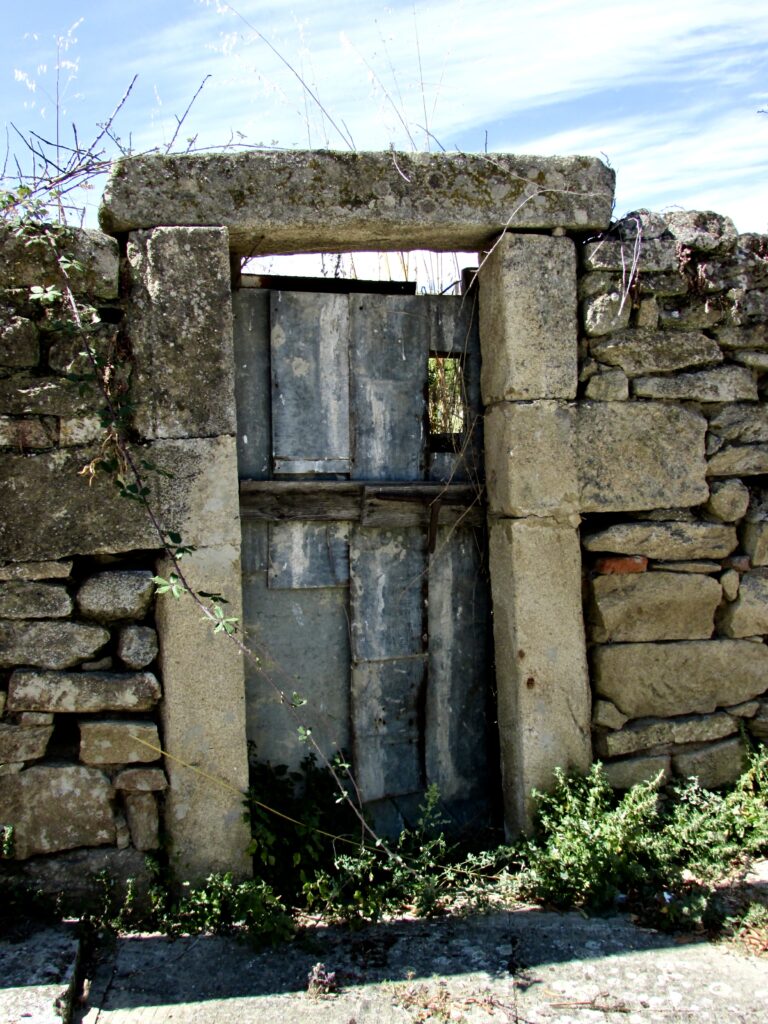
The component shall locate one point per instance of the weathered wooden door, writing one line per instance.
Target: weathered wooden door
(365, 592)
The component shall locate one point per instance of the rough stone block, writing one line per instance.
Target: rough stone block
(530, 463)
(687, 677)
(27, 395)
(29, 690)
(611, 386)
(697, 566)
(650, 254)
(203, 714)
(628, 773)
(691, 313)
(723, 384)
(141, 780)
(648, 314)
(29, 600)
(118, 742)
(57, 808)
(180, 325)
(26, 434)
(23, 265)
(19, 345)
(670, 540)
(748, 614)
(543, 687)
(639, 456)
(703, 231)
(110, 596)
(730, 582)
(663, 732)
(642, 351)
(34, 718)
(653, 606)
(754, 540)
(74, 877)
(35, 570)
(741, 424)
(199, 500)
(528, 326)
(23, 742)
(48, 644)
(728, 500)
(143, 820)
(754, 360)
(748, 336)
(715, 765)
(747, 709)
(606, 715)
(740, 460)
(606, 313)
(316, 201)
(80, 431)
(662, 284)
(137, 646)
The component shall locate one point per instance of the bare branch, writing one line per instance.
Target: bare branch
(180, 121)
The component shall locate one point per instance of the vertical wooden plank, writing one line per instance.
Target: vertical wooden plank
(389, 342)
(385, 726)
(301, 639)
(310, 383)
(307, 555)
(250, 309)
(456, 730)
(387, 574)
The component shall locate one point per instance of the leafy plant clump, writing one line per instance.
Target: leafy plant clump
(656, 850)
(219, 905)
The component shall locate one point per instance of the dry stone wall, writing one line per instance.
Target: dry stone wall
(675, 319)
(84, 717)
(79, 737)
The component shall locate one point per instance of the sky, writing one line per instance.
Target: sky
(666, 91)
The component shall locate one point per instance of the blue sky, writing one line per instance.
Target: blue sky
(668, 92)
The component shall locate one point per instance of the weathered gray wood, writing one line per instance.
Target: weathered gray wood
(252, 383)
(386, 696)
(458, 684)
(254, 553)
(310, 382)
(305, 555)
(389, 345)
(390, 505)
(301, 639)
(394, 514)
(387, 576)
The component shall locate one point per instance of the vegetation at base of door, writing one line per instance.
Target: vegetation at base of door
(666, 854)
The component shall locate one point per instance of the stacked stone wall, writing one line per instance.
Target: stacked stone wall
(674, 316)
(83, 715)
(81, 776)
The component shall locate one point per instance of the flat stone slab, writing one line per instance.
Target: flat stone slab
(665, 540)
(686, 677)
(29, 690)
(515, 965)
(38, 976)
(57, 807)
(322, 201)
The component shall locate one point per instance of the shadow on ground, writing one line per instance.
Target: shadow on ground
(522, 965)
